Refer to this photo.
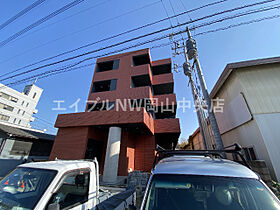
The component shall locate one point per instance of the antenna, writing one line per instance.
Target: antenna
(35, 81)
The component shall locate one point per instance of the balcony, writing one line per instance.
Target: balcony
(161, 69)
(167, 126)
(163, 78)
(166, 99)
(141, 60)
(107, 66)
(140, 81)
(131, 93)
(128, 119)
(106, 85)
(166, 112)
(161, 89)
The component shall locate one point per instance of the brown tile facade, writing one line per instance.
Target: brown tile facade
(142, 127)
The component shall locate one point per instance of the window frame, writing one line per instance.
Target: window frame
(60, 183)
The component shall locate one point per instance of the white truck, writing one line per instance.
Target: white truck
(60, 184)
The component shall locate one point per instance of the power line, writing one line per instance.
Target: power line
(117, 35)
(104, 21)
(156, 39)
(249, 12)
(238, 24)
(185, 9)
(59, 71)
(175, 14)
(262, 9)
(88, 27)
(169, 19)
(39, 22)
(21, 13)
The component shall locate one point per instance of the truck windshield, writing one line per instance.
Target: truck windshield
(23, 188)
(208, 193)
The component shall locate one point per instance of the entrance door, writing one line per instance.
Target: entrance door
(94, 149)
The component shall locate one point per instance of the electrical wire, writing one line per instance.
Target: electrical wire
(185, 9)
(39, 22)
(178, 22)
(262, 9)
(120, 34)
(21, 13)
(54, 72)
(72, 33)
(63, 19)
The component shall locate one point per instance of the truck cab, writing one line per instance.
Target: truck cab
(204, 182)
(55, 185)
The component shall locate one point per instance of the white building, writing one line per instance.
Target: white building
(251, 113)
(17, 108)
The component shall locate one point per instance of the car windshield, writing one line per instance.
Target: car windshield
(23, 187)
(208, 193)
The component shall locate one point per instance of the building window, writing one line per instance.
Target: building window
(27, 104)
(21, 148)
(13, 99)
(107, 66)
(8, 97)
(141, 60)
(22, 103)
(14, 120)
(250, 153)
(107, 85)
(19, 122)
(34, 95)
(6, 107)
(23, 113)
(4, 95)
(4, 117)
(18, 111)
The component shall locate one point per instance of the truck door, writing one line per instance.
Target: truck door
(73, 191)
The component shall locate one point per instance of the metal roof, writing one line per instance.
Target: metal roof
(25, 133)
(59, 165)
(199, 165)
(233, 66)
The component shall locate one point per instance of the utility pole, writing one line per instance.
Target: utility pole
(188, 72)
(192, 54)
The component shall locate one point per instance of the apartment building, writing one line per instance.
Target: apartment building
(17, 108)
(131, 108)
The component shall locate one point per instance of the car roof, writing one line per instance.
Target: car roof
(200, 165)
(59, 165)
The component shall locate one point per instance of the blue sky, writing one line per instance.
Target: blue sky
(65, 32)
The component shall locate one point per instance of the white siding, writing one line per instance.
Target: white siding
(261, 86)
(249, 135)
(269, 128)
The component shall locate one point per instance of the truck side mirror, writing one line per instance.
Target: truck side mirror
(54, 206)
